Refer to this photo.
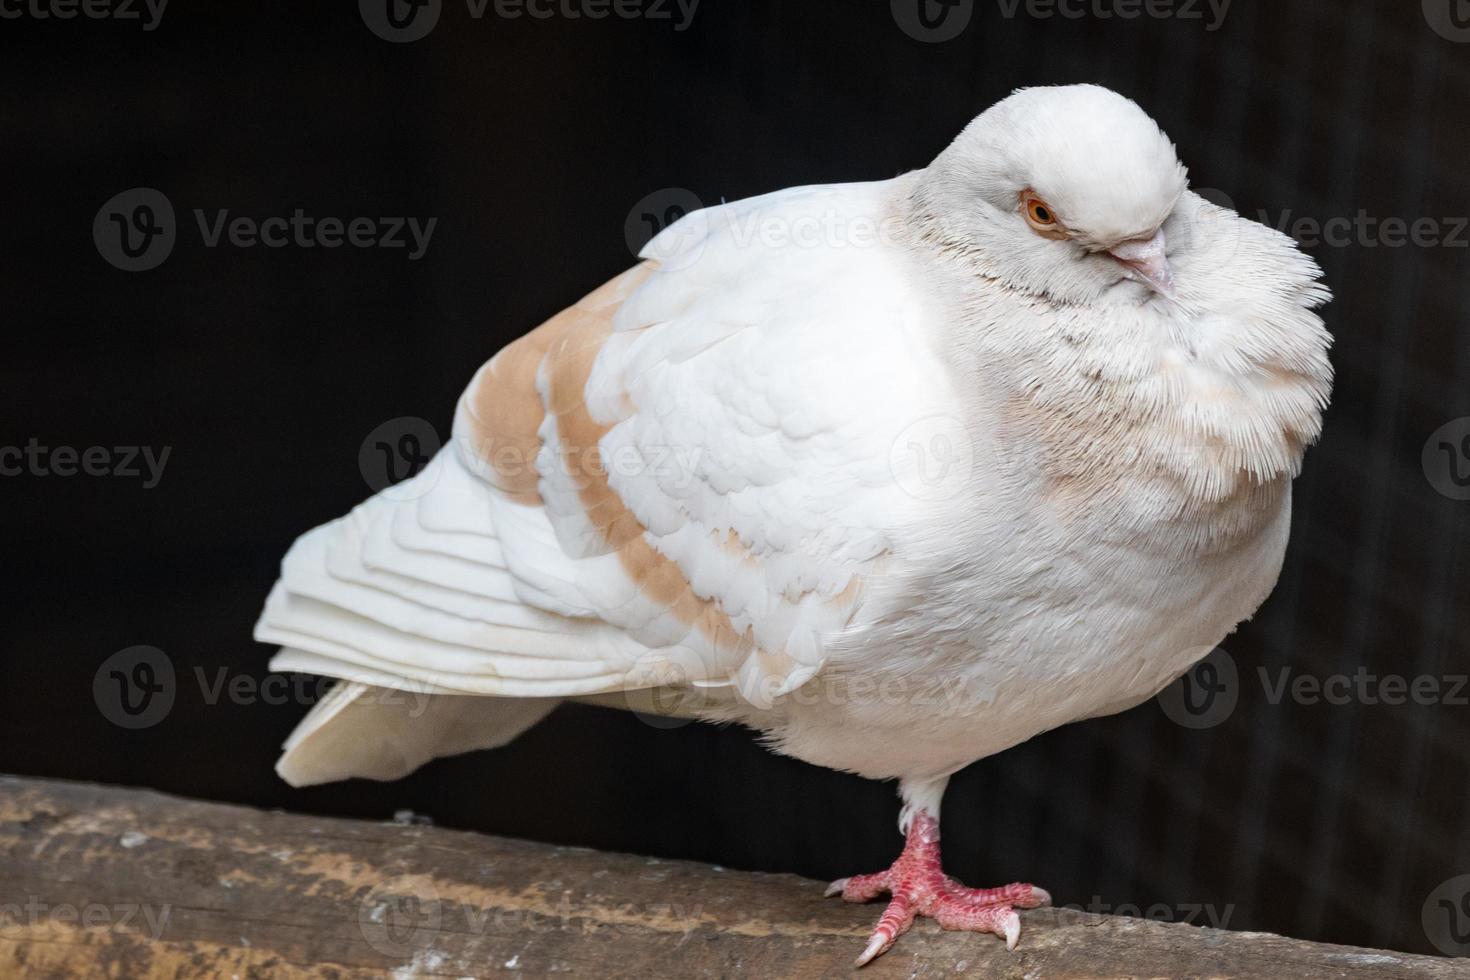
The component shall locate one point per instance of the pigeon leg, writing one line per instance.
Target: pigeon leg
(917, 885)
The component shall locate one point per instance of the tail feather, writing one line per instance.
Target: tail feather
(371, 732)
(407, 601)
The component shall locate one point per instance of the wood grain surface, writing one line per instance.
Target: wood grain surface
(105, 881)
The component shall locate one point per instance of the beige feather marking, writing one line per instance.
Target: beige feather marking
(505, 412)
(569, 363)
(503, 408)
(848, 597)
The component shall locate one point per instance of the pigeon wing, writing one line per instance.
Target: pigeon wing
(688, 477)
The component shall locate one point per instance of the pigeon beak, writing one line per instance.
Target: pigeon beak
(1144, 260)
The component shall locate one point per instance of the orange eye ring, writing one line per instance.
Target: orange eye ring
(1041, 216)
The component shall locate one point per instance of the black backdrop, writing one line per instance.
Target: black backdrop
(531, 141)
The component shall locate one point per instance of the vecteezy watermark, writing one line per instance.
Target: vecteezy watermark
(933, 459)
(674, 467)
(147, 12)
(673, 702)
(1363, 686)
(135, 688)
(1361, 230)
(305, 690)
(402, 21)
(1364, 230)
(1207, 694)
(935, 21)
(672, 226)
(404, 916)
(1450, 19)
(1220, 232)
(1445, 916)
(395, 453)
(304, 231)
(399, 459)
(660, 210)
(1189, 913)
(17, 919)
(1212, 227)
(1446, 459)
(1212, 12)
(932, 21)
(136, 230)
(138, 687)
(126, 462)
(401, 916)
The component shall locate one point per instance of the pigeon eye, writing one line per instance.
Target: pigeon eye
(1040, 216)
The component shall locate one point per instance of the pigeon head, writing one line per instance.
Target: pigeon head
(1060, 191)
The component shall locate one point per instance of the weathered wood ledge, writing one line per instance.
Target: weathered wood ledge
(103, 881)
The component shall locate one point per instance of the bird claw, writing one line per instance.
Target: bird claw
(950, 910)
(919, 887)
(876, 945)
(1012, 929)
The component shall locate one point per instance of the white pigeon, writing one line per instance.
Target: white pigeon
(899, 474)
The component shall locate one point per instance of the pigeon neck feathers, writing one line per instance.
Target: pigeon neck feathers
(1216, 387)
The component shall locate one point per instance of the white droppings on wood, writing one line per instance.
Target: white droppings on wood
(424, 962)
(1366, 959)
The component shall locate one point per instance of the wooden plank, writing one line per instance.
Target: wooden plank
(104, 881)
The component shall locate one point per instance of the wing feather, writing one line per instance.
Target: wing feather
(684, 478)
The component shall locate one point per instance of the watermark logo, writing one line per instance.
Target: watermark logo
(1217, 233)
(1446, 459)
(932, 21)
(1364, 230)
(403, 917)
(148, 12)
(18, 919)
(1446, 917)
(400, 21)
(400, 916)
(303, 230)
(659, 211)
(1212, 228)
(1212, 12)
(933, 458)
(128, 462)
(1450, 19)
(411, 699)
(662, 696)
(396, 452)
(135, 230)
(1205, 695)
(135, 688)
(673, 227)
(1189, 913)
(1364, 687)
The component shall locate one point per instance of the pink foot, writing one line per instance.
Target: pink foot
(919, 886)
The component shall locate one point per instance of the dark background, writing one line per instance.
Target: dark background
(530, 141)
